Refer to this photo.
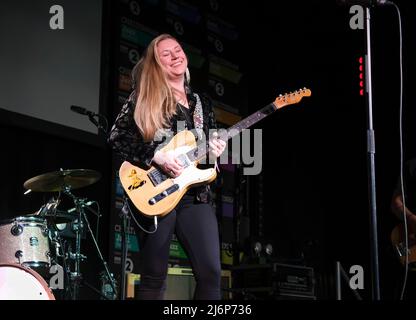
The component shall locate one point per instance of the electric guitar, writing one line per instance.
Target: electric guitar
(397, 240)
(154, 193)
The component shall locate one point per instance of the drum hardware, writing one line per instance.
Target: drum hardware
(106, 289)
(56, 243)
(64, 181)
(80, 204)
(16, 230)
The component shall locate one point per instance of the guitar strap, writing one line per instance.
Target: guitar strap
(199, 122)
(198, 117)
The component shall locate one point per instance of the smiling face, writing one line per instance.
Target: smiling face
(172, 58)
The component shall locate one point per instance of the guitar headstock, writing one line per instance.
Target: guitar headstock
(291, 98)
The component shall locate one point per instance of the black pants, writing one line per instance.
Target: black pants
(196, 228)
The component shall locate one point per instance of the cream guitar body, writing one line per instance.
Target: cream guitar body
(155, 193)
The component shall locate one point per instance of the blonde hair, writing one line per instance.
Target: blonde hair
(155, 103)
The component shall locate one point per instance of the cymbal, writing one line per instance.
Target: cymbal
(59, 180)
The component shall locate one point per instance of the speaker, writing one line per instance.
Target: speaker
(180, 284)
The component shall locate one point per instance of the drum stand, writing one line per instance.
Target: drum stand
(76, 277)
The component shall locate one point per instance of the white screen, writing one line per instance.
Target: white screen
(44, 71)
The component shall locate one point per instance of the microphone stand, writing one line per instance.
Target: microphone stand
(125, 222)
(91, 116)
(375, 278)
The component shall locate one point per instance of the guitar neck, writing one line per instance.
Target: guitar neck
(200, 152)
(249, 121)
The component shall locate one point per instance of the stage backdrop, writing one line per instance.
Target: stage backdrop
(46, 70)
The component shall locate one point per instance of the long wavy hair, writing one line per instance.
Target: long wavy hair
(155, 103)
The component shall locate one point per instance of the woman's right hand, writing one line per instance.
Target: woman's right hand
(169, 163)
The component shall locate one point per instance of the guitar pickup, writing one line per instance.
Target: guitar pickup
(164, 194)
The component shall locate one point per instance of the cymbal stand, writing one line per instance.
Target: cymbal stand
(79, 204)
(67, 268)
(77, 228)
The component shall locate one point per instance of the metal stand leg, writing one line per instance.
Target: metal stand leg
(107, 271)
(125, 223)
(76, 277)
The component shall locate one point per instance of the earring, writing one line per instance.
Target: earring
(187, 76)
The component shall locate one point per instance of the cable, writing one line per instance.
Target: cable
(406, 242)
(139, 225)
(98, 220)
(105, 128)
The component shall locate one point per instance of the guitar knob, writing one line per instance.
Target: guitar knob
(164, 193)
(152, 201)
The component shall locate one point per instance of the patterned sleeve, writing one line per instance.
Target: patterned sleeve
(126, 139)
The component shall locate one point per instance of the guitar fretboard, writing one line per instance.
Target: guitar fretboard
(201, 150)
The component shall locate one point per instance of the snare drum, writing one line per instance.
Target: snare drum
(22, 283)
(24, 240)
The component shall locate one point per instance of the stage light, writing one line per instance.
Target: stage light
(361, 75)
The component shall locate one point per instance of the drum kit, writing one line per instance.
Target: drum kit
(31, 245)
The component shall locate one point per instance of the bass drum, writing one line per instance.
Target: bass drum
(22, 283)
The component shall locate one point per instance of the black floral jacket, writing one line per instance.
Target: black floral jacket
(126, 140)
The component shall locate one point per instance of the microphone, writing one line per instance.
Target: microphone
(82, 110)
(364, 3)
(92, 116)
